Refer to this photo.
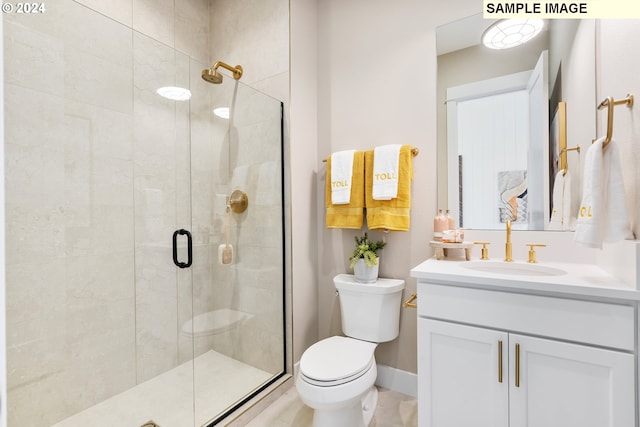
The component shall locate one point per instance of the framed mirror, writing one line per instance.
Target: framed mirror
(495, 154)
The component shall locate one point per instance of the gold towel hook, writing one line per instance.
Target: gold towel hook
(609, 103)
(564, 152)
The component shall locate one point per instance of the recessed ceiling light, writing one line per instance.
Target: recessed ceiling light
(175, 93)
(507, 33)
(221, 112)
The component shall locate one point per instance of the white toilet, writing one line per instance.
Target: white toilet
(336, 375)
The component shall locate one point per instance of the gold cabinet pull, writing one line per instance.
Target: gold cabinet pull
(517, 365)
(500, 361)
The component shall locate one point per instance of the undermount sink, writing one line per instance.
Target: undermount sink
(513, 269)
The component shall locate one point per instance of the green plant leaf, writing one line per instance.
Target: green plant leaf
(366, 250)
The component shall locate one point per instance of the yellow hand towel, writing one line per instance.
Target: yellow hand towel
(349, 215)
(390, 214)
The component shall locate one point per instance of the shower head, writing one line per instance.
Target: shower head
(212, 75)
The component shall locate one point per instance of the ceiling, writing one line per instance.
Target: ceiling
(461, 34)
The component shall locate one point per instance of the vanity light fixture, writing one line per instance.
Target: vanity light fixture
(508, 33)
(174, 93)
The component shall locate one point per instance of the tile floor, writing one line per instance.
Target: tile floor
(393, 410)
(168, 399)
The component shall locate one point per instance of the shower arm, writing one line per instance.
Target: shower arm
(237, 70)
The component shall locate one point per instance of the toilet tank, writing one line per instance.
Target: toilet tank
(370, 311)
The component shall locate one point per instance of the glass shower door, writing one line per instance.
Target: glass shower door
(101, 170)
(238, 325)
(162, 206)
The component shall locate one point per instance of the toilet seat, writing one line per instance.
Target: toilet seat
(336, 360)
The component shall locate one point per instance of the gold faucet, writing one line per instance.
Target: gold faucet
(507, 246)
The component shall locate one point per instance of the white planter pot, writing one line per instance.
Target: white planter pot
(365, 274)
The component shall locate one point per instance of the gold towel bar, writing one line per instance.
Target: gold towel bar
(609, 103)
(410, 302)
(414, 151)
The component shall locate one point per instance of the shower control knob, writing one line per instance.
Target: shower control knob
(238, 201)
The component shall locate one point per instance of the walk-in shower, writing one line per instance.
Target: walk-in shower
(108, 183)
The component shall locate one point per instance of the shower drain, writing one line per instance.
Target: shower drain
(150, 424)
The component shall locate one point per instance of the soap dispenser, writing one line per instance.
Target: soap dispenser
(440, 223)
(451, 223)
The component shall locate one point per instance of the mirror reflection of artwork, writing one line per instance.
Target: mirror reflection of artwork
(512, 191)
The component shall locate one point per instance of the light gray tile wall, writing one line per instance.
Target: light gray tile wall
(69, 212)
(88, 137)
(95, 175)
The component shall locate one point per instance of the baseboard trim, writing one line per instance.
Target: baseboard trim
(397, 380)
(391, 378)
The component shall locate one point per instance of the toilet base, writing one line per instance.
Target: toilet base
(359, 414)
(369, 403)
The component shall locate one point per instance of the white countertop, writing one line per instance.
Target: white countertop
(584, 280)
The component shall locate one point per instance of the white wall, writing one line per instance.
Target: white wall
(618, 75)
(304, 174)
(377, 85)
(578, 91)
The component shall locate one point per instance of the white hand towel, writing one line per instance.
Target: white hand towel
(603, 211)
(568, 220)
(561, 218)
(555, 223)
(341, 176)
(616, 225)
(385, 172)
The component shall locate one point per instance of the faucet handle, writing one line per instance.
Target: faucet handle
(485, 250)
(532, 251)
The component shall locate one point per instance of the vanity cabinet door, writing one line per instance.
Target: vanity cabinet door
(564, 385)
(459, 378)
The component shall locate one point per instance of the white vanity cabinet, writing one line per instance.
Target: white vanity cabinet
(496, 356)
(471, 376)
(458, 375)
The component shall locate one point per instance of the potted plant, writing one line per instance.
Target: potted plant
(364, 259)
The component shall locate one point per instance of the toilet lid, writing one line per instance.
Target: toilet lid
(336, 360)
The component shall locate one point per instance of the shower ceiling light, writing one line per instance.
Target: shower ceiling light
(507, 33)
(175, 93)
(222, 112)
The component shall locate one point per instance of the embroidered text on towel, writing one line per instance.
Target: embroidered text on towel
(385, 171)
(341, 176)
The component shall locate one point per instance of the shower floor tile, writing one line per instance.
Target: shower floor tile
(168, 398)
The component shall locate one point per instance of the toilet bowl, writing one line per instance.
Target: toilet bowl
(336, 376)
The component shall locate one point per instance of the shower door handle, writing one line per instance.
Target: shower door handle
(189, 248)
